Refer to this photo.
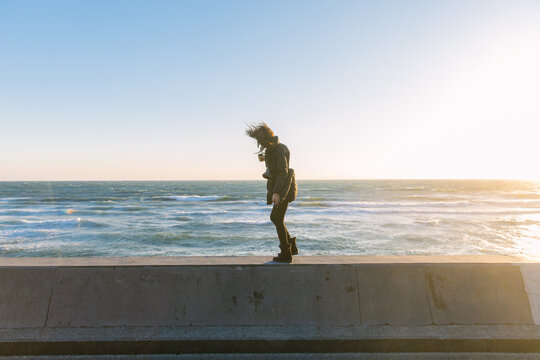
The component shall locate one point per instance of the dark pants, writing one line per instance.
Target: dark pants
(278, 217)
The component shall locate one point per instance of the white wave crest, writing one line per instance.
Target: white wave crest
(202, 212)
(370, 204)
(50, 221)
(194, 197)
(234, 221)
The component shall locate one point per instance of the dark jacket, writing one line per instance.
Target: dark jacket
(282, 178)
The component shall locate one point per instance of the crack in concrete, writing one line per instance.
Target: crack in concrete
(50, 297)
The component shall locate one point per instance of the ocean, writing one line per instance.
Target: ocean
(330, 217)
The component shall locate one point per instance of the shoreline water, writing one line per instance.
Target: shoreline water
(356, 217)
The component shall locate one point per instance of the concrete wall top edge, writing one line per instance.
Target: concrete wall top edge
(257, 260)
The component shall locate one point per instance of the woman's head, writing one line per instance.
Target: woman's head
(262, 133)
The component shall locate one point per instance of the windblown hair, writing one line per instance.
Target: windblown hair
(260, 131)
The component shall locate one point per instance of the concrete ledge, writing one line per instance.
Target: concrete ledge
(166, 333)
(255, 260)
(77, 306)
(294, 356)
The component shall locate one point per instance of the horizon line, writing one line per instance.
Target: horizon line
(262, 180)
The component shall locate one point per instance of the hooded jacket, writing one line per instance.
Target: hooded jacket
(281, 179)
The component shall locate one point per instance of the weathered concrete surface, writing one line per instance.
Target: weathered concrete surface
(531, 276)
(254, 260)
(250, 332)
(296, 356)
(477, 294)
(250, 304)
(197, 295)
(24, 296)
(393, 294)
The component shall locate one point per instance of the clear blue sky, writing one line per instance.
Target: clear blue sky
(356, 89)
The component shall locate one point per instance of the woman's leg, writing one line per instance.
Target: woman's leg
(278, 218)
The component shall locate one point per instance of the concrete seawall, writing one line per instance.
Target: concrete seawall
(250, 304)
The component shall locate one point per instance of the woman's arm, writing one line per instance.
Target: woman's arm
(282, 168)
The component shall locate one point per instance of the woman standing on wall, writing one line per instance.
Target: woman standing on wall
(281, 184)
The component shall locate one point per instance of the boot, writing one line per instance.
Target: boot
(294, 249)
(285, 254)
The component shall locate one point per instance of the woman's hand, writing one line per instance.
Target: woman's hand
(275, 199)
(261, 157)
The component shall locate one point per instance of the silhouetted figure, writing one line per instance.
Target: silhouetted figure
(280, 184)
